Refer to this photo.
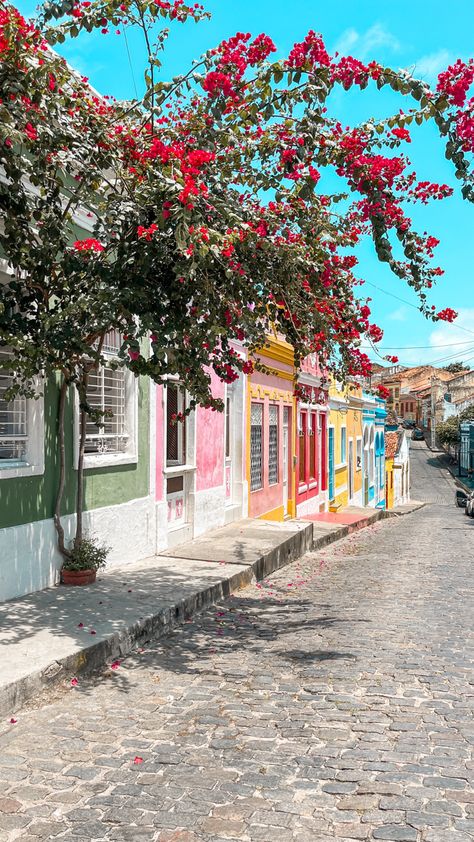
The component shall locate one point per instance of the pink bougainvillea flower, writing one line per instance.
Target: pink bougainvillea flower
(137, 760)
(114, 665)
(74, 682)
(13, 721)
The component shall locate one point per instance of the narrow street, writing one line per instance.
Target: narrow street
(334, 701)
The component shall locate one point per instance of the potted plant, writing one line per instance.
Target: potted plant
(81, 567)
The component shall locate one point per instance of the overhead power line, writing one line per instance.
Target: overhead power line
(410, 304)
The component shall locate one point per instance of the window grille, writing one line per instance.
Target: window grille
(106, 395)
(13, 420)
(175, 430)
(272, 444)
(256, 446)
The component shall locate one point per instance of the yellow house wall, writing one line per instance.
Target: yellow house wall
(277, 387)
(350, 417)
(355, 432)
(337, 419)
(389, 483)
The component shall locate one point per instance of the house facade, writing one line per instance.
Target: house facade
(345, 446)
(311, 446)
(373, 461)
(271, 434)
(199, 481)
(117, 501)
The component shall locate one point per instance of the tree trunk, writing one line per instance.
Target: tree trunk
(62, 468)
(82, 389)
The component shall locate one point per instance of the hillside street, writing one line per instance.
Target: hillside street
(331, 701)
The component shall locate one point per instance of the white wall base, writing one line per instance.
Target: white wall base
(312, 506)
(30, 560)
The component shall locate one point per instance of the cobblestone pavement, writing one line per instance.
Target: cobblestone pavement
(332, 701)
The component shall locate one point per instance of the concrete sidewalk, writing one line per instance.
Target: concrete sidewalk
(55, 634)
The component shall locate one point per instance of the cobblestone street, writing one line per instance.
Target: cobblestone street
(334, 700)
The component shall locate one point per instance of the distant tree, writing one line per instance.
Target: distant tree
(467, 414)
(448, 431)
(454, 368)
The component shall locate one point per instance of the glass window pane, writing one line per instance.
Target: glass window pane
(273, 444)
(13, 427)
(256, 444)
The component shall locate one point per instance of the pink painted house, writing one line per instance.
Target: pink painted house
(311, 448)
(198, 477)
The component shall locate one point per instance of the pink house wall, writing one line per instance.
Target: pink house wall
(159, 433)
(210, 429)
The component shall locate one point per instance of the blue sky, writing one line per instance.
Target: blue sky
(423, 34)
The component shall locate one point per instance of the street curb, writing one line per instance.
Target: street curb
(94, 657)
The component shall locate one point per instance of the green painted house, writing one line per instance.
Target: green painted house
(118, 502)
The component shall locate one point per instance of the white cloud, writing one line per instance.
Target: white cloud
(447, 343)
(363, 44)
(429, 66)
(446, 338)
(399, 315)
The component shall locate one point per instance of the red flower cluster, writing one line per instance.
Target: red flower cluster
(447, 315)
(311, 51)
(235, 55)
(88, 245)
(425, 190)
(375, 333)
(402, 134)
(146, 233)
(383, 392)
(465, 127)
(455, 82)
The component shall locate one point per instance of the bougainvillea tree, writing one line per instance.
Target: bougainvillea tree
(194, 218)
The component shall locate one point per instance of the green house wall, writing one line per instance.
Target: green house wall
(28, 499)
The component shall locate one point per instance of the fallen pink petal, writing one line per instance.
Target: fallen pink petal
(80, 625)
(137, 760)
(114, 665)
(13, 721)
(74, 682)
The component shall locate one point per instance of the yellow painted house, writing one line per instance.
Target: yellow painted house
(345, 445)
(391, 445)
(271, 433)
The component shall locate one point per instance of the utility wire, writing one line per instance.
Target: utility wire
(416, 347)
(130, 61)
(409, 304)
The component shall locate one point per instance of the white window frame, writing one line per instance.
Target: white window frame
(343, 462)
(129, 456)
(33, 464)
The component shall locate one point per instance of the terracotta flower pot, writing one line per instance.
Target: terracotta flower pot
(78, 577)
